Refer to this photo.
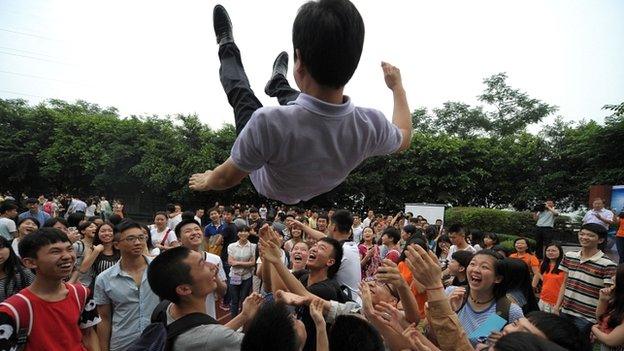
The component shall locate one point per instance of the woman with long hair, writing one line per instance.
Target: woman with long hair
(370, 257)
(610, 314)
(518, 284)
(552, 277)
(105, 236)
(484, 295)
(443, 244)
(490, 240)
(84, 248)
(13, 276)
(296, 236)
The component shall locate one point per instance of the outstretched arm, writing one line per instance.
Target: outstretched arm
(401, 116)
(223, 177)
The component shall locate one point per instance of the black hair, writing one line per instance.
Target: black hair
(329, 35)
(50, 222)
(115, 219)
(343, 221)
(75, 218)
(457, 228)
(337, 256)
(528, 250)
(616, 305)
(431, 232)
(463, 257)
(161, 213)
(476, 237)
(351, 332)
(150, 244)
(517, 277)
(275, 317)
(228, 209)
(32, 219)
(127, 224)
(500, 289)
(323, 215)
(98, 241)
(523, 341)
(185, 221)
(443, 238)
(168, 271)
(244, 228)
(546, 262)
(7, 205)
(188, 215)
(170, 207)
(416, 239)
(596, 229)
(13, 270)
(410, 229)
(30, 244)
(561, 331)
(83, 225)
(31, 200)
(491, 236)
(393, 234)
(253, 210)
(500, 248)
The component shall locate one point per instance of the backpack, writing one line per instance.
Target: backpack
(158, 336)
(22, 310)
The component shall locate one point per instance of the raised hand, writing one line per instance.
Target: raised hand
(251, 305)
(200, 181)
(424, 266)
(391, 316)
(293, 299)
(389, 273)
(316, 312)
(392, 76)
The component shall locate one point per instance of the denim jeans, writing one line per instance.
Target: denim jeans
(238, 293)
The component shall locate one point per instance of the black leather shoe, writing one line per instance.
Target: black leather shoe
(222, 25)
(280, 67)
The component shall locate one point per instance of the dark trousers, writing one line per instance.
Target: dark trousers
(238, 293)
(238, 90)
(619, 242)
(543, 236)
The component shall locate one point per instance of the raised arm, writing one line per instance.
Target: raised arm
(312, 233)
(223, 177)
(270, 255)
(401, 116)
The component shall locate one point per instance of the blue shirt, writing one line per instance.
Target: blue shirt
(40, 216)
(132, 306)
(212, 229)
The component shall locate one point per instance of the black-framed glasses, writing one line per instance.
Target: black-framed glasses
(131, 239)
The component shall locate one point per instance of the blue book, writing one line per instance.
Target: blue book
(493, 323)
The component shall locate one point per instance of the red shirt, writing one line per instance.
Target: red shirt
(55, 324)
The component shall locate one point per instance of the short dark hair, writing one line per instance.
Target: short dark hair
(170, 207)
(7, 205)
(125, 225)
(343, 220)
(561, 331)
(457, 228)
(188, 215)
(228, 209)
(337, 256)
(393, 234)
(323, 215)
(329, 35)
(30, 244)
(596, 229)
(75, 218)
(31, 200)
(350, 332)
(523, 341)
(185, 221)
(463, 257)
(167, 271)
(253, 210)
(275, 317)
(115, 219)
(32, 219)
(50, 222)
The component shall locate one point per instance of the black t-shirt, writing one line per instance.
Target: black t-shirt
(255, 227)
(327, 290)
(230, 235)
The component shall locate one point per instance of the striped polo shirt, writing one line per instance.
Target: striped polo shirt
(585, 279)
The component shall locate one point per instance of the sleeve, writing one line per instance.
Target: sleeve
(230, 250)
(8, 330)
(89, 316)
(171, 237)
(338, 309)
(534, 261)
(388, 137)
(609, 274)
(393, 256)
(515, 313)
(99, 292)
(586, 217)
(251, 147)
(221, 272)
(446, 326)
(11, 226)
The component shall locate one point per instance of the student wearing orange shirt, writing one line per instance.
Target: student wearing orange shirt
(523, 253)
(551, 277)
(619, 236)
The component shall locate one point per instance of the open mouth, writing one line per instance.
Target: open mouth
(297, 257)
(66, 266)
(475, 278)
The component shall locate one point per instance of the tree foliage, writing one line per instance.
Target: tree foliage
(460, 155)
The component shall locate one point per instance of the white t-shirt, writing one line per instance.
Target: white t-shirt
(263, 212)
(210, 299)
(173, 222)
(590, 217)
(454, 248)
(7, 226)
(157, 237)
(350, 272)
(309, 147)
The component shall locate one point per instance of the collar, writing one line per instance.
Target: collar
(598, 255)
(323, 108)
(116, 269)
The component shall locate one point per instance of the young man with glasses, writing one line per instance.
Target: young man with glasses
(124, 298)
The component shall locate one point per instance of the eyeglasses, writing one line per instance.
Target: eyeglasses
(133, 238)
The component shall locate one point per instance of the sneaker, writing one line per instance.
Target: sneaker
(280, 67)
(222, 25)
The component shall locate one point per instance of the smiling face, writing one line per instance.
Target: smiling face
(132, 242)
(381, 293)
(89, 232)
(320, 256)
(202, 273)
(191, 235)
(214, 216)
(552, 252)
(521, 246)
(523, 325)
(54, 261)
(296, 233)
(321, 224)
(105, 234)
(160, 221)
(368, 234)
(481, 273)
(589, 239)
(28, 226)
(243, 235)
(299, 255)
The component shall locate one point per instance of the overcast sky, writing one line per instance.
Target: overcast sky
(160, 57)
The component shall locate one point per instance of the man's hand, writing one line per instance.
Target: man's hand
(294, 223)
(200, 181)
(251, 305)
(389, 273)
(456, 298)
(392, 76)
(270, 252)
(424, 266)
(316, 312)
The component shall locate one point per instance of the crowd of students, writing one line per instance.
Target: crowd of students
(301, 280)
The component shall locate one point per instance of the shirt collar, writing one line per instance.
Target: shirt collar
(598, 255)
(323, 108)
